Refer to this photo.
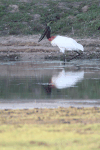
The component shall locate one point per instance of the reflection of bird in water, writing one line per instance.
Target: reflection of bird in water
(63, 43)
(48, 88)
(66, 79)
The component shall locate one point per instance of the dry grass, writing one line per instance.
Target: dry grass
(56, 129)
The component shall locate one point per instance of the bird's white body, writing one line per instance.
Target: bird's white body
(65, 43)
(66, 79)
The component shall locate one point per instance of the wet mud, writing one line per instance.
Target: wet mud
(29, 49)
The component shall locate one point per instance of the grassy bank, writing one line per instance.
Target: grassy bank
(71, 17)
(56, 129)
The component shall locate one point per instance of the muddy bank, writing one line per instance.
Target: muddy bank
(28, 48)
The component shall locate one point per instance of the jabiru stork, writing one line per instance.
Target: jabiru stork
(63, 43)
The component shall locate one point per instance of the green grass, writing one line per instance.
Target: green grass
(85, 24)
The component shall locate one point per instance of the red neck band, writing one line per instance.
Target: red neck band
(50, 39)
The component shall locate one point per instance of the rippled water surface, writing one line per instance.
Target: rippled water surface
(52, 82)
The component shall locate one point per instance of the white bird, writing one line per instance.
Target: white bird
(63, 43)
(66, 79)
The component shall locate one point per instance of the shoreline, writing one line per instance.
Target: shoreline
(27, 48)
(48, 104)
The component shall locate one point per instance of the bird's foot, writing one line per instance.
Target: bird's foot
(76, 55)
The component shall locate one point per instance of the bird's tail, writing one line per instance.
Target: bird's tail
(80, 47)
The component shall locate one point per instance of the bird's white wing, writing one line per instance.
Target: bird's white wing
(65, 43)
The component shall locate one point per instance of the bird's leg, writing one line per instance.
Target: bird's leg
(64, 58)
(76, 55)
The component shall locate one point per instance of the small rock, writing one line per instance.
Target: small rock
(24, 23)
(36, 17)
(85, 8)
(71, 17)
(25, 1)
(63, 5)
(14, 8)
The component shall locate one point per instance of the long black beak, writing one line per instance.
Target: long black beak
(44, 33)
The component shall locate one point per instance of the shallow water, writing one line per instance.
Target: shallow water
(49, 84)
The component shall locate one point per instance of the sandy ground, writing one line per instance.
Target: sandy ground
(28, 48)
(50, 129)
(61, 115)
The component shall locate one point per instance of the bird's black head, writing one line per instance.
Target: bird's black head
(46, 32)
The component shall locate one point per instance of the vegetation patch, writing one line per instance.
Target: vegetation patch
(74, 18)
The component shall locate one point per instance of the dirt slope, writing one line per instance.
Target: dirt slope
(28, 47)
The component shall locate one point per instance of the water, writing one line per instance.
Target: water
(49, 84)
